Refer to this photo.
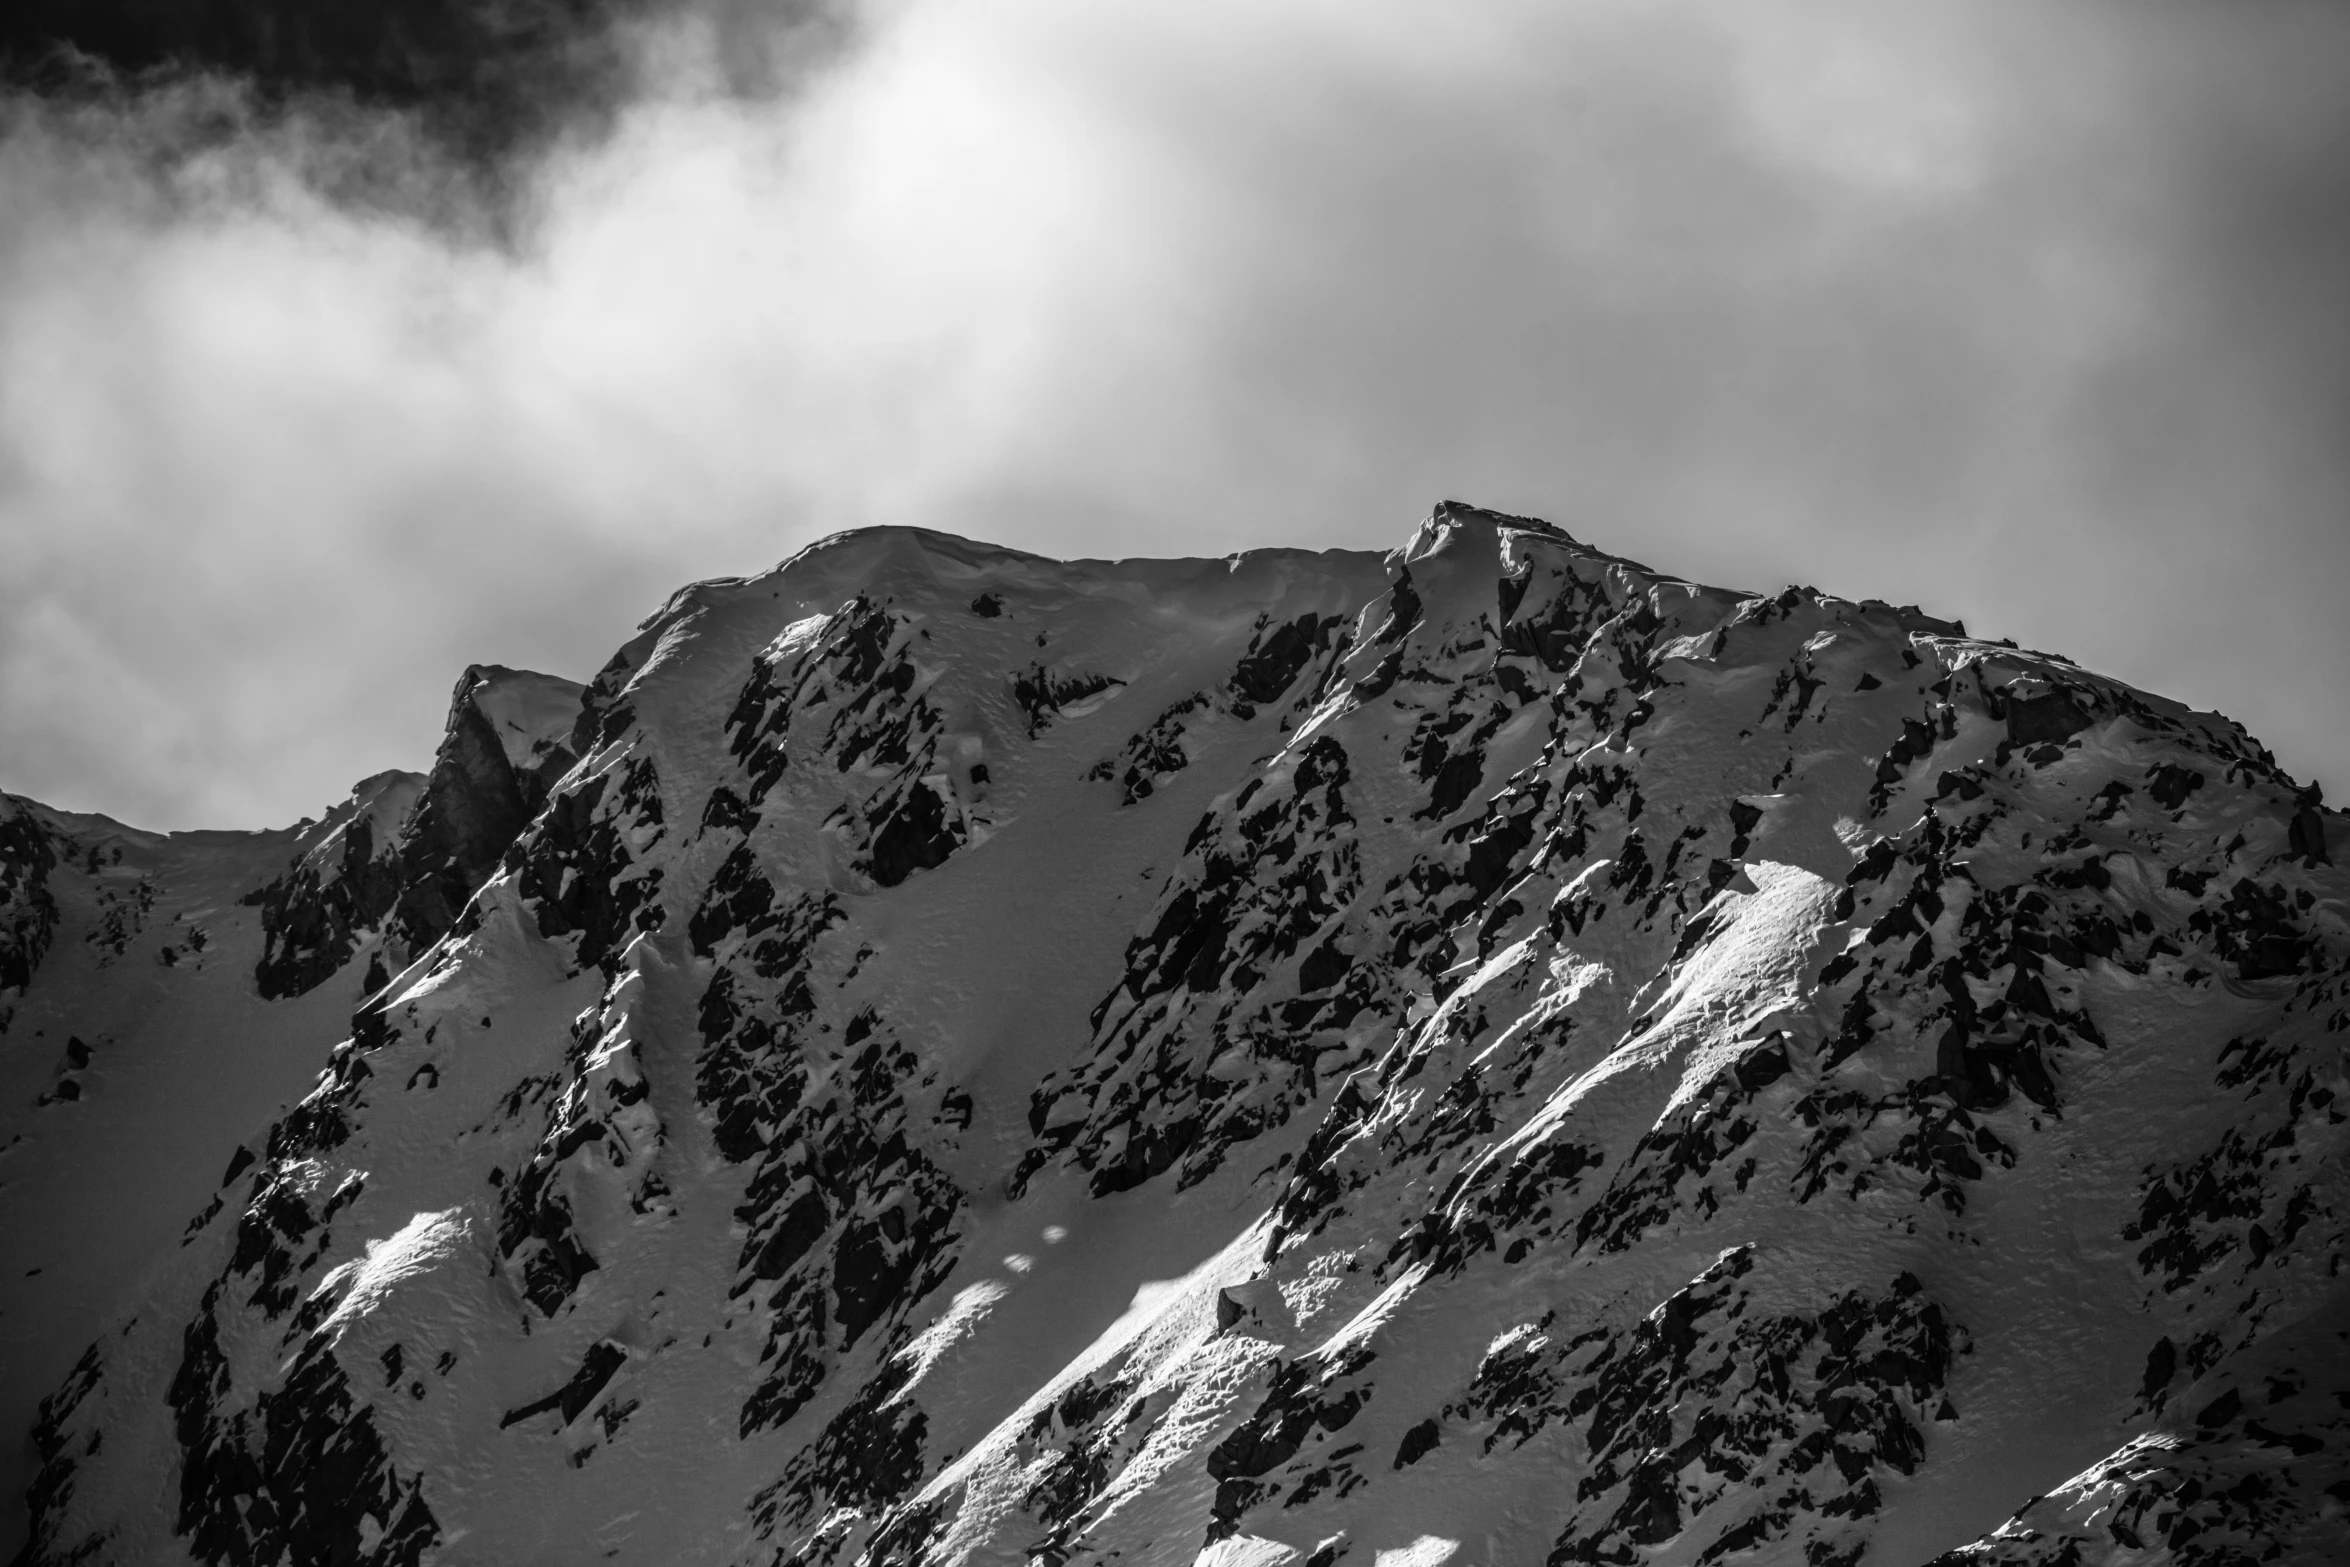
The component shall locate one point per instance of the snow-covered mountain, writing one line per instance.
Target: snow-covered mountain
(1487, 1055)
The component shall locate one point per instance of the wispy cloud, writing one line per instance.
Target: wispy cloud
(2021, 313)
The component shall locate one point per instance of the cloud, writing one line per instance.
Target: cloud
(2020, 314)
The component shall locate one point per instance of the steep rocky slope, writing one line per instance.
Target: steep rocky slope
(1488, 1055)
(135, 1051)
(160, 995)
(403, 855)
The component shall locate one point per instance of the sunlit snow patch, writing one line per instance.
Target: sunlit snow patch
(417, 1247)
(1246, 1550)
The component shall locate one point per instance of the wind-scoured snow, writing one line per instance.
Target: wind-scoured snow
(1488, 1055)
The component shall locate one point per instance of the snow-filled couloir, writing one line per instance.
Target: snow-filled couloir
(1486, 1055)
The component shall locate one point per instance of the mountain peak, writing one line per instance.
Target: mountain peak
(530, 713)
(1487, 1053)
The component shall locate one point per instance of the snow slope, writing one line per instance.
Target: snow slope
(1488, 1055)
(161, 995)
(137, 1054)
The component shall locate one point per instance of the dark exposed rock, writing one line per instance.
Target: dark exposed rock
(2039, 720)
(915, 836)
(822, 1116)
(1042, 694)
(472, 808)
(2253, 1468)
(597, 1367)
(1155, 754)
(302, 1475)
(475, 803)
(1307, 1399)
(1263, 874)
(1825, 1400)
(2307, 834)
(577, 869)
(53, 1484)
(28, 909)
(314, 916)
(867, 1456)
(404, 855)
(1277, 655)
(1418, 1443)
(2162, 1364)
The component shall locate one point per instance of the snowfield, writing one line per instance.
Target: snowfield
(1490, 1054)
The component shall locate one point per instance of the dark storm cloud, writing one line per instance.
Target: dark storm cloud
(2030, 316)
(485, 82)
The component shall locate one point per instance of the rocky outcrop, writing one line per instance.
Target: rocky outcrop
(399, 860)
(28, 910)
(507, 742)
(340, 888)
(2249, 1464)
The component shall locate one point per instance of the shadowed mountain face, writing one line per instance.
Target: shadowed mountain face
(1491, 1054)
(404, 854)
(509, 739)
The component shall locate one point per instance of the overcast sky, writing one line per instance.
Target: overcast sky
(2031, 314)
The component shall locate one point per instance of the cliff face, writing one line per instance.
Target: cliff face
(1489, 1055)
(316, 912)
(508, 741)
(28, 910)
(402, 856)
